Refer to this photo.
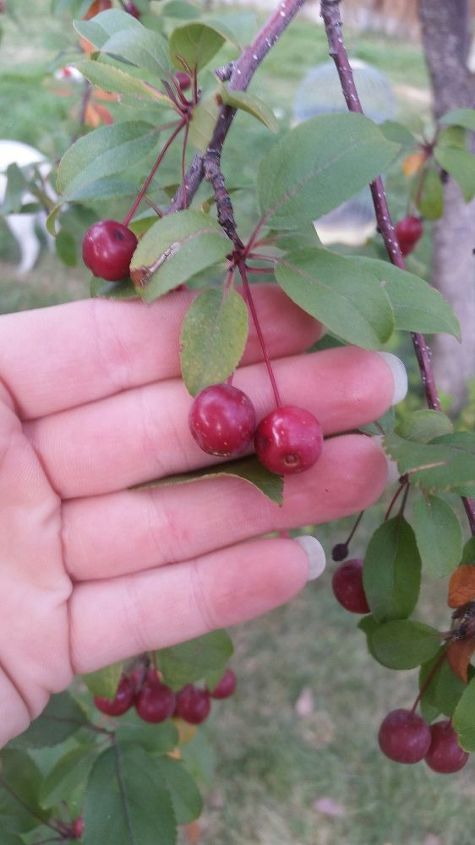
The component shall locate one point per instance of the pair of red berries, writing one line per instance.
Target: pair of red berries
(405, 737)
(409, 231)
(223, 422)
(155, 702)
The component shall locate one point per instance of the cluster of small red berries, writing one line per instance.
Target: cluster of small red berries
(156, 702)
(223, 422)
(409, 231)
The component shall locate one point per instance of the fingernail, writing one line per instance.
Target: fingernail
(315, 554)
(399, 375)
(393, 471)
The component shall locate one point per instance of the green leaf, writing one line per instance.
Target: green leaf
(11, 839)
(192, 661)
(157, 739)
(19, 776)
(460, 117)
(175, 248)
(213, 338)
(404, 644)
(468, 554)
(249, 469)
(392, 571)
(185, 795)
(105, 681)
(61, 719)
(346, 298)
(446, 463)
(197, 43)
(111, 78)
(203, 121)
(106, 150)
(99, 190)
(430, 199)
(127, 803)
(439, 535)
(464, 718)
(368, 625)
(102, 26)
(417, 306)
(251, 104)
(14, 190)
(422, 426)
(69, 774)
(318, 165)
(121, 35)
(66, 249)
(445, 688)
(397, 132)
(461, 166)
(112, 290)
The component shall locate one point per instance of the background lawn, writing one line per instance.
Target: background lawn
(294, 758)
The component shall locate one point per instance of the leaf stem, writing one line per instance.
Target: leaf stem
(429, 679)
(145, 186)
(330, 12)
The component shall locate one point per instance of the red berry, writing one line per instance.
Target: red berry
(122, 701)
(78, 828)
(222, 420)
(107, 249)
(408, 231)
(193, 704)
(155, 702)
(183, 79)
(445, 755)
(288, 440)
(226, 686)
(404, 736)
(131, 8)
(347, 583)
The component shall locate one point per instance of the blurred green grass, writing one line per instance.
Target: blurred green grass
(272, 765)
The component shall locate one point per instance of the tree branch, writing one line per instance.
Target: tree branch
(330, 12)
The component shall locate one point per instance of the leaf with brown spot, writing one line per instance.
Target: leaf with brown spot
(462, 586)
(459, 654)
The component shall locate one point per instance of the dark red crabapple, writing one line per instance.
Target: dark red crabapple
(155, 702)
(193, 704)
(222, 420)
(409, 230)
(107, 249)
(347, 584)
(122, 701)
(288, 440)
(404, 736)
(445, 755)
(226, 686)
(131, 8)
(183, 79)
(339, 552)
(78, 828)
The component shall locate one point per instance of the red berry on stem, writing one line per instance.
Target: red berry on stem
(107, 249)
(409, 230)
(78, 828)
(404, 736)
(122, 701)
(288, 440)
(193, 704)
(226, 686)
(347, 583)
(222, 420)
(155, 702)
(183, 79)
(445, 755)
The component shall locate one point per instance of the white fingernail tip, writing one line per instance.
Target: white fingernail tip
(315, 554)
(393, 471)
(399, 375)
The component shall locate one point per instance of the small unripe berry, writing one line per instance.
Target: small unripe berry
(339, 552)
(183, 79)
(404, 736)
(222, 420)
(409, 231)
(107, 249)
(347, 584)
(288, 440)
(78, 828)
(226, 686)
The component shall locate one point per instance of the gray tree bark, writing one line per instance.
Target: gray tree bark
(446, 40)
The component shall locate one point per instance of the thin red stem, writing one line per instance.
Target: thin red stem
(258, 270)
(429, 679)
(145, 186)
(394, 500)
(183, 165)
(355, 526)
(252, 308)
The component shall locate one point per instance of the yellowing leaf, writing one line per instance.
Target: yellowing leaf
(462, 586)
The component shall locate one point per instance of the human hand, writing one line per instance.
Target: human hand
(91, 403)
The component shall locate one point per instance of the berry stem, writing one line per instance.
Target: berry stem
(252, 308)
(183, 165)
(394, 499)
(353, 530)
(145, 186)
(429, 679)
(330, 12)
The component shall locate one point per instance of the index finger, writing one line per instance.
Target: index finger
(57, 358)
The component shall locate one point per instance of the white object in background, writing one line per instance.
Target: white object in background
(22, 226)
(68, 73)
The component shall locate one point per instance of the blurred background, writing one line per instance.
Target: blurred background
(292, 759)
